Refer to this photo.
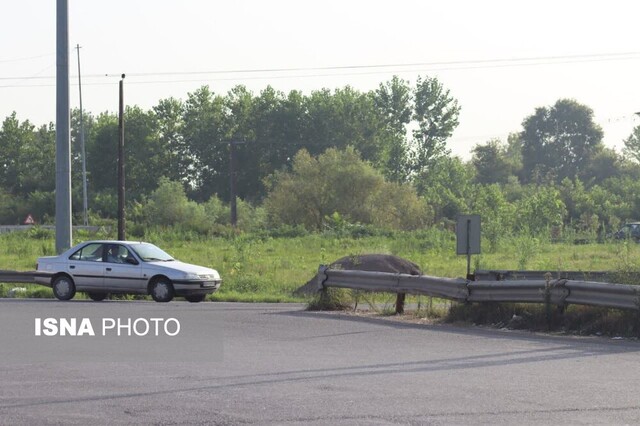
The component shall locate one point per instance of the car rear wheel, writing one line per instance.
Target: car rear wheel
(63, 288)
(195, 298)
(162, 290)
(98, 297)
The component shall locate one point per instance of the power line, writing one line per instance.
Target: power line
(28, 58)
(291, 76)
(278, 77)
(446, 65)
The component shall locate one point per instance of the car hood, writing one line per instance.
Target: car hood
(181, 267)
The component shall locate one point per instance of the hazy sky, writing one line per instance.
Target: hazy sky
(586, 50)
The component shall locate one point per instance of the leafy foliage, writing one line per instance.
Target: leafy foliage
(340, 182)
(554, 177)
(559, 141)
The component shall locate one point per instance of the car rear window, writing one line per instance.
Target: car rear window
(90, 253)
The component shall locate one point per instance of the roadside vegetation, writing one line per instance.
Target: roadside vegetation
(331, 174)
(263, 267)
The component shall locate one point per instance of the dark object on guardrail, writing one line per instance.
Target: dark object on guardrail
(373, 262)
(365, 262)
(17, 277)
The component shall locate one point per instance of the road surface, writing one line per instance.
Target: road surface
(280, 365)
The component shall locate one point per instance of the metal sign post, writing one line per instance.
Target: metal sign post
(468, 237)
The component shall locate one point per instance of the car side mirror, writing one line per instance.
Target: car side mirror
(131, 261)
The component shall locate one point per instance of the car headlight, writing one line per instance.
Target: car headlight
(191, 276)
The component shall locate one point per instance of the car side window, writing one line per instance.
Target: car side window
(89, 253)
(117, 253)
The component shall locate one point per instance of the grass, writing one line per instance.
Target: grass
(265, 269)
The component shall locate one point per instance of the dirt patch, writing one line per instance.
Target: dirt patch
(365, 262)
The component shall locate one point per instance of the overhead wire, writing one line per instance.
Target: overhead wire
(374, 69)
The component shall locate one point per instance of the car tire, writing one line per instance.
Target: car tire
(162, 290)
(195, 298)
(97, 297)
(63, 287)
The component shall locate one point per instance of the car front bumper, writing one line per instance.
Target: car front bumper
(194, 288)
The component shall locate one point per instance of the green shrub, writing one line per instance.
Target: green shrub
(332, 299)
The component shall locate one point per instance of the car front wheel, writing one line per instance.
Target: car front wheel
(162, 290)
(196, 298)
(63, 288)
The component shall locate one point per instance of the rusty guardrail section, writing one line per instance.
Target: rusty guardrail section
(559, 292)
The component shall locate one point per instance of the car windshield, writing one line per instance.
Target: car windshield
(150, 253)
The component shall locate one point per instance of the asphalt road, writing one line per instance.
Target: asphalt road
(281, 365)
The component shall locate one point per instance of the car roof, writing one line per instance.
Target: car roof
(112, 242)
(84, 243)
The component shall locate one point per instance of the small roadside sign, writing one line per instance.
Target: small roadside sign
(468, 237)
(29, 220)
(468, 234)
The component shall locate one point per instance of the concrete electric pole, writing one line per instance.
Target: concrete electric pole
(63, 141)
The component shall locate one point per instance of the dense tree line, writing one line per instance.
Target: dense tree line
(385, 144)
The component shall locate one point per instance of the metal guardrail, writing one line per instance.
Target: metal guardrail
(17, 277)
(620, 296)
(526, 291)
(559, 292)
(449, 288)
(505, 275)
(14, 228)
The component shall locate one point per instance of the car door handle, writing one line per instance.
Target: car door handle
(72, 267)
(108, 269)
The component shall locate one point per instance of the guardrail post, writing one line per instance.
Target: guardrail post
(400, 303)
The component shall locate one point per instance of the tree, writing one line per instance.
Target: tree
(168, 205)
(446, 186)
(436, 114)
(102, 154)
(205, 135)
(559, 141)
(36, 164)
(340, 182)
(632, 145)
(540, 209)
(497, 213)
(14, 137)
(170, 122)
(491, 162)
(605, 164)
(393, 101)
(277, 123)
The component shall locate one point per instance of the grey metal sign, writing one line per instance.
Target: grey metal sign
(468, 234)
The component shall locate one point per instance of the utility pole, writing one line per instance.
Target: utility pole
(121, 217)
(85, 217)
(232, 182)
(63, 141)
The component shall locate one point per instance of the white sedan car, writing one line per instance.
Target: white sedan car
(102, 267)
